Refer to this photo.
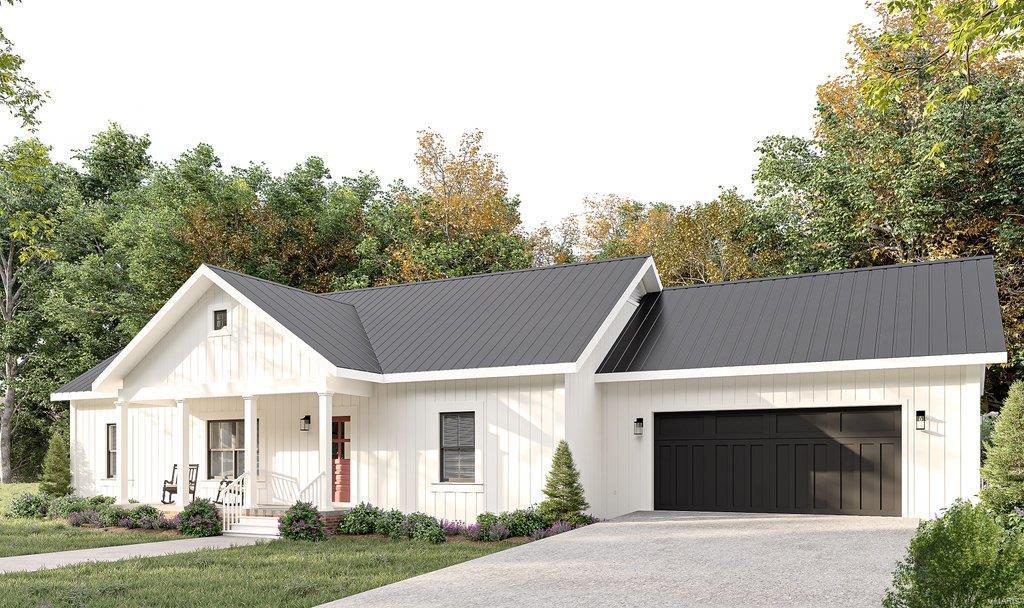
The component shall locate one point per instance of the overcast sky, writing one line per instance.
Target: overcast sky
(653, 101)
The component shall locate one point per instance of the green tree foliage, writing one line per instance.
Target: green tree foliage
(964, 558)
(18, 92)
(1004, 458)
(56, 478)
(565, 499)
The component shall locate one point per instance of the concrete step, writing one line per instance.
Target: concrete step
(254, 526)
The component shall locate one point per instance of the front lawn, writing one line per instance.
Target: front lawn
(278, 573)
(29, 536)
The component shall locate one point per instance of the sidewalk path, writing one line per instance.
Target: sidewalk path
(45, 561)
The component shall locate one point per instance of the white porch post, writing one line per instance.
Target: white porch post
(249, 408)
(121, 407)
(183, 419)
(326, 402)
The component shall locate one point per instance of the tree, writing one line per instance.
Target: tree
(948, 43)
(56, 478)
(565, 499)
(30, 187)
(17, 91)
(1003, 469)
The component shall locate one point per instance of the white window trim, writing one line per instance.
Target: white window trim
(227, 329)
(434, 451)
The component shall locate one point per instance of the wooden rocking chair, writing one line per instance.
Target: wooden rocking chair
(171, 485)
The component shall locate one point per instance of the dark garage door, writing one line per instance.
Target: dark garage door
(842, 460)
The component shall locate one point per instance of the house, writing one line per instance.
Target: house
(854, 391)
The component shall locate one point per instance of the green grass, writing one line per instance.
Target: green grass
(30, 536)
(279, 573)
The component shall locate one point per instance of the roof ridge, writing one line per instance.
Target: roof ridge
(286, 286)
(487, 274)
(828, 272)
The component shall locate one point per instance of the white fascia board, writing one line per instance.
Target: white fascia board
(81, 396)
(460, 374)
(804, 368)
(648, 274)
(176, 307)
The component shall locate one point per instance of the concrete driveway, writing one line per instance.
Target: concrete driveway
(675, 559)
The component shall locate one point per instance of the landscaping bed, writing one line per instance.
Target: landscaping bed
(279, 573)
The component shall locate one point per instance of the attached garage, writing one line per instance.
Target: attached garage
(834, 460)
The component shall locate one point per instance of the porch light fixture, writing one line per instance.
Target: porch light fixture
(921, 421)
(304, 423)
(638, 427)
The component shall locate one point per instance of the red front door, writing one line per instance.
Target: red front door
(340, 456)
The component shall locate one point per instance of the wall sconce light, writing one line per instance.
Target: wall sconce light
(304, 423)
(921, 420)
(638, 427)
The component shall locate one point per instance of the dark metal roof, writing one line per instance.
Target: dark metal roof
(84, 382)
(519, 317)
(932, 308)
(330, 327)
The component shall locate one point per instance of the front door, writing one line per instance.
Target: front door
(341, 459)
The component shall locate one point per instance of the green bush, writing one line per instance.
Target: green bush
(521, 522)
(99, 501)
(29, 505)
(1004, 457)
(486, 519)
(362, 519)
(389, 523)
(420, 526)
(141, 512)
(963, 558)
(302, 521)
(56, 477)
(563, 489)
(62, 506)
(111, 515)
(200, 518)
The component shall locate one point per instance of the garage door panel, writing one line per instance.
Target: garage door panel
(827, 474)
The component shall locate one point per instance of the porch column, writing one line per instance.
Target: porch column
(183, 418)
(326, 402)
(121, 407)
(249, 412)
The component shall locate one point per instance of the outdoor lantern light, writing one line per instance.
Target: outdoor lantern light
(920, 420)
(638, 427)
(304, 423)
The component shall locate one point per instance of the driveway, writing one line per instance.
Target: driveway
(675, 559)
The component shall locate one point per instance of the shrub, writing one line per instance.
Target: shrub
(62, 506)
(490, 530)
(452, 527)
(563, 488)
(1004, 461)
(420, 526)
(362, 519)
(389, 523)
(200, 518)
(144, 512)
(99, 501)
(302, 521)
(988, 424)
(84, 518)
(169, 523)
(111, 515)
(521, 522)
(475, 532)
(56, 477)
(29, 505)
(963, 558)
(486, 519)
(556, 528)
(127, 522)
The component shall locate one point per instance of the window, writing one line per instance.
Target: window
(111, 451)
(220, 319)
(225, 454)
(458, 447)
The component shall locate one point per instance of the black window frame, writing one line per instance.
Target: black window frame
(111, 451)
(220, 314)
(460, 447)
(238, 453)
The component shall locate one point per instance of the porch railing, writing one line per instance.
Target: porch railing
(314, 490)
(233, 497)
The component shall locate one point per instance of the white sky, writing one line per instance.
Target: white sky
(653, 101)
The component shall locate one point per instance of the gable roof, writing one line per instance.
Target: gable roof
(913, 310)
(83, 383)
(533, 316)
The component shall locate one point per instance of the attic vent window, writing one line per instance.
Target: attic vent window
(220, 319)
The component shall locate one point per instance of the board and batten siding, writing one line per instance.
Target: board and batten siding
(253, 350)
(939, 464)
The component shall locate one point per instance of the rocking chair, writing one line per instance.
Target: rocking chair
(171, 485)
(220, 489)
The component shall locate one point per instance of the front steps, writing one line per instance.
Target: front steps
(255, 526)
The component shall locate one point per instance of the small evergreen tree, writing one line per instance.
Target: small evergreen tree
(56, 478)
(565, 500)
(1004, 461)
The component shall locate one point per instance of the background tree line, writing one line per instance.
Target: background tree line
(911, 159)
